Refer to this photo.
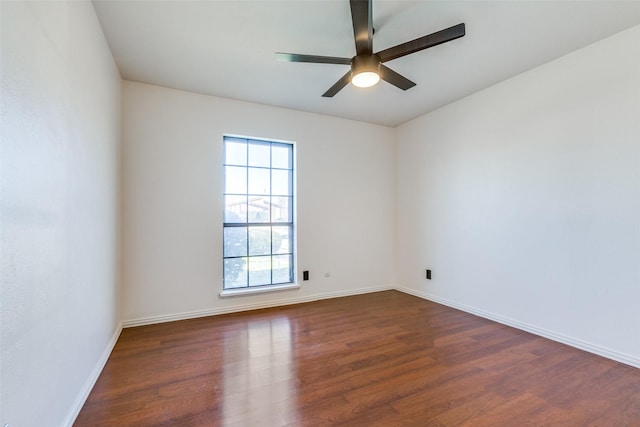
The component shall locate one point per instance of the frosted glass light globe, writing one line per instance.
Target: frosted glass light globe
(365, 79)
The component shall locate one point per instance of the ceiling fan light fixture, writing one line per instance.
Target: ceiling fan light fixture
(365, 79)
(365, 70)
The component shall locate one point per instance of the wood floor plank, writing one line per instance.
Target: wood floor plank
(380, 359)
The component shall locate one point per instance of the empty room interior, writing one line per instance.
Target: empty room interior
(204, 221)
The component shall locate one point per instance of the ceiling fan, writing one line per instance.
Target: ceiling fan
(367, 67)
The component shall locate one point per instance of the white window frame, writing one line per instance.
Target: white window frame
(245, 223)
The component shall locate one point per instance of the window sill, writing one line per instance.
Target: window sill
(228, 293)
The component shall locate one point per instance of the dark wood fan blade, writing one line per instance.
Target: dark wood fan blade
(362, 19)
(394, 78)
(297, 57)
(338, 85)
(421, 43)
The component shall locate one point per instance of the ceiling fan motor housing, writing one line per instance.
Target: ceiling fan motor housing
(365, 63)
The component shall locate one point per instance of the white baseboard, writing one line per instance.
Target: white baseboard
(91, 380)
(246, 307)
(564, 339)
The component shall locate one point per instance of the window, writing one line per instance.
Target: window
(258, 213)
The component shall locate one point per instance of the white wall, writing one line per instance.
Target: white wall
(524, 199)
(172, 201)
(59, 208)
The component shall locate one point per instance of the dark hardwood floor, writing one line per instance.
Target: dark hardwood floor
(381, 359)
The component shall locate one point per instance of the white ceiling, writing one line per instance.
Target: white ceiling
(226, 48)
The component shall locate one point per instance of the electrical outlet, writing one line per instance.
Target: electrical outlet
(429, 274)
(305, 275)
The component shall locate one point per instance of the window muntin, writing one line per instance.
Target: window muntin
(258, 228)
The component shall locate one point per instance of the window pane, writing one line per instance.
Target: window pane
(235, 179)
(235, 273)
(259, 240)
(281, 156)
(235, 208)
(235, 152)
(235, 241)
(259, 182)
(281, 209)
(281, 240)
(281, 185)
(282, 271)
(259, 270)
(259, 154)
(259, 208)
